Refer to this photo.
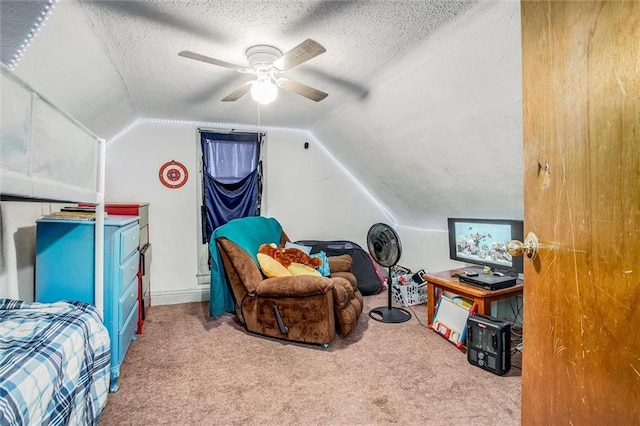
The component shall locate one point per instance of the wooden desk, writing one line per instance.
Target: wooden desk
(483, 298)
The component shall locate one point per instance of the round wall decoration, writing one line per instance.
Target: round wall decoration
(173, 174)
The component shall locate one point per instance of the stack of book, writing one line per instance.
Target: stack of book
(75, 213)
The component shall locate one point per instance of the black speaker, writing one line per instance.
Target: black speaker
(489, 343)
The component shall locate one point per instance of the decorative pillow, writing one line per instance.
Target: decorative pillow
(305, 249)
(271, 267)
(299, 269)
(324, 268)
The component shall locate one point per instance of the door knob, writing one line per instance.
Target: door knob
(529, 247)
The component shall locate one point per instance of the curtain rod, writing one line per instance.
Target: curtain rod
(227, 131)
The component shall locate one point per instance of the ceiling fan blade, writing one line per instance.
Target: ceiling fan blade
(302, 89)
(306, 50)
(238, 93)
(209, 60)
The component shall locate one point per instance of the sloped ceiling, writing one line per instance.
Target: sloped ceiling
(421, 115)
(141, 39)
(441, 134)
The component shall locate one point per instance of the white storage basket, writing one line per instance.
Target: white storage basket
(409, 293)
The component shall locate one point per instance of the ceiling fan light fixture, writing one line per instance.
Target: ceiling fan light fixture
(264, 91)
(266, 62)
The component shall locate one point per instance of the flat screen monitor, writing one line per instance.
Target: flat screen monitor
(484, 242)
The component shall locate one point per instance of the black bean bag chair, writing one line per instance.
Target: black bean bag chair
(370, 281)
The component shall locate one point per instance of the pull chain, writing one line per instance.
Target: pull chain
(258, 116)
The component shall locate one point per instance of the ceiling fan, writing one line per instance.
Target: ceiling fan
(266, 63)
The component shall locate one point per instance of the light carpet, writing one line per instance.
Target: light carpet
(187, 368)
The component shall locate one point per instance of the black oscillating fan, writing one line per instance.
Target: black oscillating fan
(384, 246)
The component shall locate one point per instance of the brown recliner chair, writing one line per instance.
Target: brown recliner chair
(307, 309)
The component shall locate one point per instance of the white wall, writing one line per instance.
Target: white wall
(132, 165)
(305, 190)
(425, 249)
(312, 195)
(18, 243)
(440, 134)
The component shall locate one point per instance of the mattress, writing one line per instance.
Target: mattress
(54, 363)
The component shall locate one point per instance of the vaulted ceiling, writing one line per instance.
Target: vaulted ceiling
(424, 101)
(141, 40)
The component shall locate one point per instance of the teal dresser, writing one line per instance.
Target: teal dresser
(65, 266)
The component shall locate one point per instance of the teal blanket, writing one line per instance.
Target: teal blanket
(248, 233)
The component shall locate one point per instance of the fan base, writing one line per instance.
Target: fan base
(262, 56)
(389, 315)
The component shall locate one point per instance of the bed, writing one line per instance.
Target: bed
(54, 363)
(47, 157)
(46, 153)
(54, 358)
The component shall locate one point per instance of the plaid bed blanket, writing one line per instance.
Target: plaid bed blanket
(54, 363)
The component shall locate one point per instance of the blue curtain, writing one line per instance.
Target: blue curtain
(232, 178)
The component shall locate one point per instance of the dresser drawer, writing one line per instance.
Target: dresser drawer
(126, 302)
(128, 271)
(127, 332)
(129, 241)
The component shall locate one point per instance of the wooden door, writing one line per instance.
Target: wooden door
(581, 103)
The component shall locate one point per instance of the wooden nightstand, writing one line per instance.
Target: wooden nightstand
(447, 281)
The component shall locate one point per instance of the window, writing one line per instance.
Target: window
(231, 183)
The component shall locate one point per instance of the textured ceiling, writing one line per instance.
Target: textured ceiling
(18, 19)
(142, 40)
(424, 83)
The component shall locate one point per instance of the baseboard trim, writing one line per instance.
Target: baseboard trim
(172, 297)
